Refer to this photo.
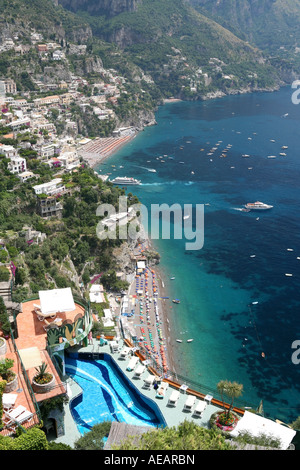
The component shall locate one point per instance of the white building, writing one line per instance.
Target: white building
(47, 151)
(16, 125)
(96, 293)
(17, 165)
(9, 151)
(26, 175)
(51, 188)
(69, 160)
(58, 55)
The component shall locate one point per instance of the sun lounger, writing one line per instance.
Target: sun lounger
(8, 401)
(174, 398)
(49, 325)
(139, 370)
(114, 347)
(124, 353)
(37, 311)
(200, 407)
(188, 406)
(11, 416)
(162, 390)
(132, 363)
(148, 381)
(26, 416)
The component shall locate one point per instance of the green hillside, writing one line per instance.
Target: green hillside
(270, 24)
(180, 51)
(44, 17)
(171, 41)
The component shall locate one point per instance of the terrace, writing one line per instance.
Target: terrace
(173, 414)
(31, 347)
(36, 343)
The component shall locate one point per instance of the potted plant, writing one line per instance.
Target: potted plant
(43, 381)
(227, 419)
(8, 375)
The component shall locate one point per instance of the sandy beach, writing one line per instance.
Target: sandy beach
(150, 309)
(96, 151)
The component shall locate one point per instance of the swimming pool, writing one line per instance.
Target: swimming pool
(108, 395)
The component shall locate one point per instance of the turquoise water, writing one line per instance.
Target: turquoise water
(107, 396)
(236, 301)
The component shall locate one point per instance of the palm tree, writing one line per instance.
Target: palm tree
(232, 390)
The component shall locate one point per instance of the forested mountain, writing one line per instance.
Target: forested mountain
(173, 48)
(180, 48)
(272, 25)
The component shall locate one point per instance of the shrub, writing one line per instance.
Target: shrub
(4, 274)
(93, 440)
(5, 372)
(59, 446)
(2, 387)
(4, 321)
(32, 439)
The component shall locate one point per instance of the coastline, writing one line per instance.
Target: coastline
(165, 309)
(98, 150)
(165, 315)
(150, 321)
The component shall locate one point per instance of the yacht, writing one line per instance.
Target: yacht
(124, 180)
(257, 206)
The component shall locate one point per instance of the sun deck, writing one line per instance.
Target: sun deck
(173, 415)
(31, 333)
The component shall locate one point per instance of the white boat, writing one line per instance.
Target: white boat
(271, 156)
(186, 217)
(152, 170)
(124, 180)
(179, 340)
(189, 340)
(257, 206)
(283, 154)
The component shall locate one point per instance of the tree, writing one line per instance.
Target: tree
(232, 390)
(93, 440)
(20, 276)
(186, 436)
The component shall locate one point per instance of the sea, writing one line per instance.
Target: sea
(239, 291)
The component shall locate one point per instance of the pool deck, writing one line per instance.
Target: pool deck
(172, 415)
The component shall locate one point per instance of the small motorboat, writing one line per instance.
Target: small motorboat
(179, 340)
(176, 301)
(172, 278)
(189, 340)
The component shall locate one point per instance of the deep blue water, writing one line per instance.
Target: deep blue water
(217, 284)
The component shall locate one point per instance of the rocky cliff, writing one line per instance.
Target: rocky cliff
(107, 7)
